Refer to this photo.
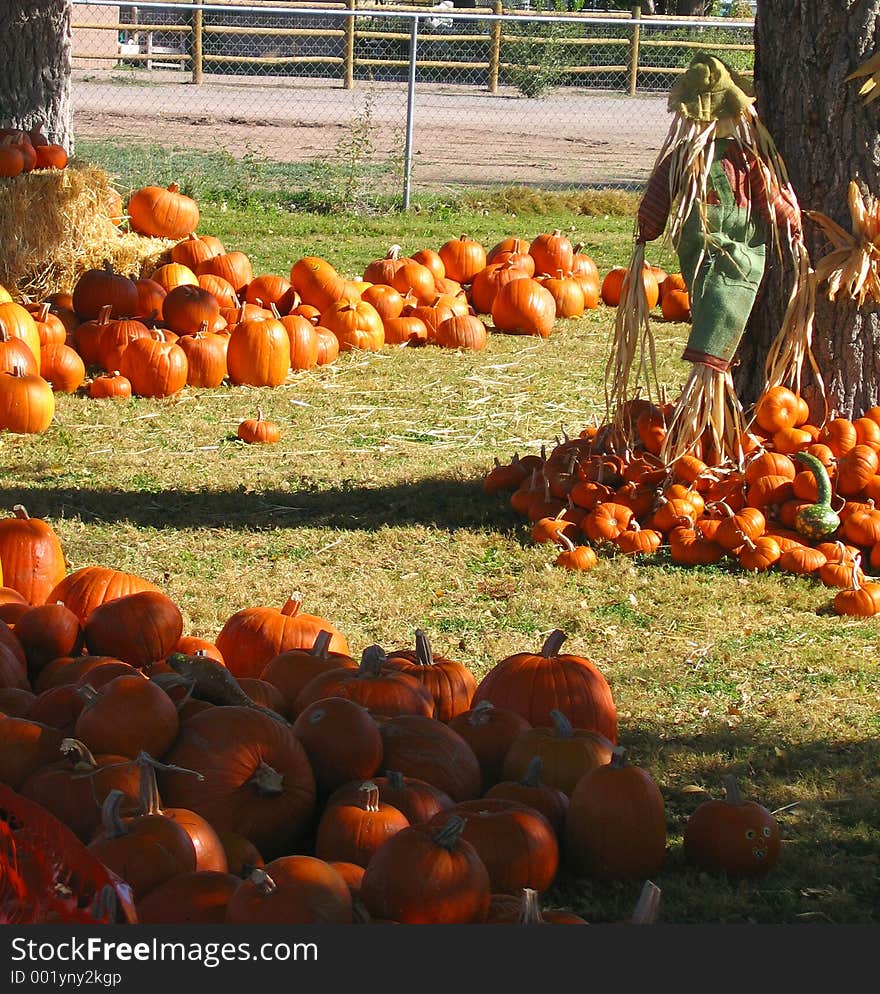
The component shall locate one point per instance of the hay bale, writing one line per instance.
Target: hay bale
(55, 224)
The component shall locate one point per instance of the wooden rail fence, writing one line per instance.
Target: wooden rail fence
(505, 28)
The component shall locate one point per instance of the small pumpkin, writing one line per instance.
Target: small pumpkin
(259, 430)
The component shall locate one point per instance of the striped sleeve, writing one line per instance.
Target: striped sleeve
(655, 204)
(774, 201)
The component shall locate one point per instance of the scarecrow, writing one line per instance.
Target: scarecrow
(720, 193)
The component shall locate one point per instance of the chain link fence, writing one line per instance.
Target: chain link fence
(370, 101)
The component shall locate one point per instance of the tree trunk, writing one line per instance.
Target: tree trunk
(690, 8)
(35, 81)
(827, 137)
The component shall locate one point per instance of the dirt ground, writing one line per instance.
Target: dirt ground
(461, 136)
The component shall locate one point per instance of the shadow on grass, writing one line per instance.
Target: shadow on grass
(444, 503)
(824, 795)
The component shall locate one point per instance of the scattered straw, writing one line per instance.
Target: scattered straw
(55, 224)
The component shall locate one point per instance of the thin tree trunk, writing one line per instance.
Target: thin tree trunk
(35, 80)
(804, 49)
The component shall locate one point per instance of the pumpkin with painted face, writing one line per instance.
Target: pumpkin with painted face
(733, 836)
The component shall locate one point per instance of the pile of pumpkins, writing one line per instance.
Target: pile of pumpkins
(24, 151)
(204, 317)
(283, 780)
(803, 501)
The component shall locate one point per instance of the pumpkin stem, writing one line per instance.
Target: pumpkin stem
(532, 776)
(731, 789)
(267, 780)
(292, 605)
(262, 881)
(370, 795)
(529, 909)
(321, 644)
(450, 833)
(562, 727)
(618, 757)
(78, 754)
(645, 912)
(568, 546)
(480, 714)
(424, 656)
(373, 659)
(395, 779)
(149, 789)
(111, 814)
(20, 512)
(553, 643)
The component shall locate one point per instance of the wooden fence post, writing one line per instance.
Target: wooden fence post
(634, 51)
(348, 63)
(197, 43)
(495, 49)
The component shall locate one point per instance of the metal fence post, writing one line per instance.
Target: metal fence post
(348, 58)
(197, 43)
(495, 49)
(634, 51)
(410, 108)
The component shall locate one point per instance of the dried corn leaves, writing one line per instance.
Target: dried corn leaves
(852, 265)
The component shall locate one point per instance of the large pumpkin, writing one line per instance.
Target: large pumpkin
(524, 307)
(536, 684)
(84, 589)
(258, 353)
(254, 635)
(31, 556)
(257, 777)
(163, 213)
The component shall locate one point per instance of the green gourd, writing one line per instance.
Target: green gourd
(817, 521)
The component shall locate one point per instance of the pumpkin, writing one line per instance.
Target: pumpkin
(733, 836)
(258, 430)
(534, 684)
(75, 786)
(777, 408)
(253, 636)
(193, 249)
(139, 628)
(526, 910)
(422, 747)
(552, 251)
(154, 367)
(317, 282)
(87, 587)
(62, 367)
(113, 385)
(524, 307)
(451, 684)
(291, 890)
(861, 598)
(616, 824)
(187, 307)
(341, 740)
(303, 341)
(382, 691)
(353, 832)
(205, 358)
(530, 789)
(46, 632)
(270, 291)
(489, 731)
(128, 715)
(427, 874)
(515, 842)
(25, 747)
(258, 353)
(98, 288)
(16, 353)
(257, 777)
(27, 404)
(566, 753)
(356, 325)
(163, 213)
(417, 799)
(292, 669)
(31, 556)
(197, 897)
(233, 267)
(462, 258)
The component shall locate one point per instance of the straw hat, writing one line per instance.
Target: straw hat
(708, 90)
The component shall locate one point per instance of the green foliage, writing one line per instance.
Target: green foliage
(538, 63)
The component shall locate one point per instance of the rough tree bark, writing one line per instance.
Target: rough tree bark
(35, 80)
(804, 49)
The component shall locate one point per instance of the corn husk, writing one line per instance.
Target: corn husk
(853, 264)
(55, 224)
(707, 421)
(870, 89)
(632, 345)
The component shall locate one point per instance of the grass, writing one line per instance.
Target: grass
(372, 506)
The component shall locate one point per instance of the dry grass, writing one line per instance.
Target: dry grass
(372, 506)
